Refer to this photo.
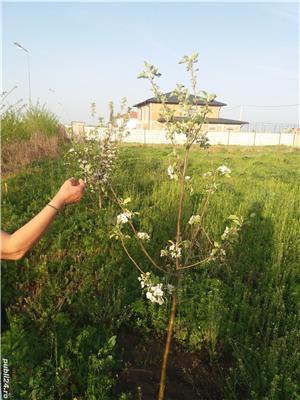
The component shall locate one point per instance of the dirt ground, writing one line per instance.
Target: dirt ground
(190, 375)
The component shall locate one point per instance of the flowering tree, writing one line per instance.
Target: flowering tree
(180, 253)
(94, 159)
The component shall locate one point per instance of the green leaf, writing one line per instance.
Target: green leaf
(111, 342)
(233, 217)
(213, 252)
(186, 244)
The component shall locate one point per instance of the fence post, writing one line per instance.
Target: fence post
(254, 138)
(144, 136)
(279, 138)
(228, 138)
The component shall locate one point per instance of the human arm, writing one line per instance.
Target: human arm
(15, 246)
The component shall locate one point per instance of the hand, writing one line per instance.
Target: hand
(70, 192)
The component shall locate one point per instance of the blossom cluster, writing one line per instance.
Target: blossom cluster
(154, 292)
(188, 184)
(143, 236)
(195, 220)
(218, 251)
(172, 173)
(173, 250)
(223, 170)
(124, 217)
(226, 233)
(106, 159)
(228, 237)
(93, 160)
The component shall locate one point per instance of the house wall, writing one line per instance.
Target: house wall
(156, 109)
(150, 113)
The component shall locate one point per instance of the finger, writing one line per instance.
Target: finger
(82, 183)
(74, 181)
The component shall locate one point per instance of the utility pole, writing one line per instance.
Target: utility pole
(241, 112)
(28, 66)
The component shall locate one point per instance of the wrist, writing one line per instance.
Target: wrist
(57, 202)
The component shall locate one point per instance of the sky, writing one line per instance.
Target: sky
(81, 52)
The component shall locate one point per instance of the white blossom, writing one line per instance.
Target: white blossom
(150, 297)
(187, 178)
(160, 300)
(71, 150)
(154, 293)
(207, 174)
(144, 279)
(225, 233)
(157, 290)
(224, 170)
(171, 172)
(143, 236)
(163, 253)
(195, 220)
(175, 251)
(87, 168)
(123, 218)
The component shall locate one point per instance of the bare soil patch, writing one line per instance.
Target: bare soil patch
(190, 375)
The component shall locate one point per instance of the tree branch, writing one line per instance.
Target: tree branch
(135, 233)
(129, 256)
(196, 263)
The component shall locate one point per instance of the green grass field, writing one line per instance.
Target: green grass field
(79, 326)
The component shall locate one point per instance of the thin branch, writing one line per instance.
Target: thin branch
(206, 204)
(193, 239)
(197, 263)
(135, 233)
(194, 236)
(68, 290)
(181, 196)
(208, 238)
(144, 249)
(129, 256)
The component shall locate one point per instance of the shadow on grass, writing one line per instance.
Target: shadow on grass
(250, 281)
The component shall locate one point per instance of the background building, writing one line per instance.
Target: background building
(149, 110)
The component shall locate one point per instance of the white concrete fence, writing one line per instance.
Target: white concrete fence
(146, 136)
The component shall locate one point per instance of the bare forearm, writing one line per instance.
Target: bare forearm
(14, 246)
(24, 238)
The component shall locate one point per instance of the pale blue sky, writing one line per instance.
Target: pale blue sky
(83, 52)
